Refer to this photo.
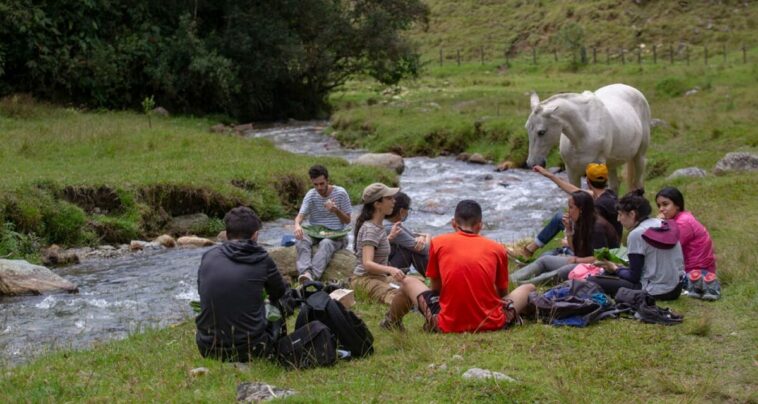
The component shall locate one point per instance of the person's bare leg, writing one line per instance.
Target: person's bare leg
(520, 296)
(403, 301)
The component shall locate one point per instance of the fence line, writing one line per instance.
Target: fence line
(622, 55)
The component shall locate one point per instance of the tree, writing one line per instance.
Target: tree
(261, 59)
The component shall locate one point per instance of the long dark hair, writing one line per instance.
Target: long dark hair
(634, 201)
(582, 238)
(674, 195)
(366, 214)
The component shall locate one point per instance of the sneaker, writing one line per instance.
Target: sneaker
(305, 277)
(390, 325)
(694, 285)
(712, 287)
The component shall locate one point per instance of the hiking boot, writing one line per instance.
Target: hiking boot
(712, 287)
(390, 325)
(305, 277)
(694, 285)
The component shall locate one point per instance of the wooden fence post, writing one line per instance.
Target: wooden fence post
(655, 54)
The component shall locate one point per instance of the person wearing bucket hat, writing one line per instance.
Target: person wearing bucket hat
(325, 205)
(605, 205)
(656, 263)
(372, 247)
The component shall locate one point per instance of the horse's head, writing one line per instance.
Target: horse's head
(544, 131)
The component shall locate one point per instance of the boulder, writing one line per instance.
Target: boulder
(463, 156)
(54, 256)
(137, 245)
(194, 241)
(18, 277)
(386, 160)
(476, 373)
(188, 224)
(340, 267)
(737, 161)
(241, 129)
(505, 165)
(160, 111)
(257, 392)
(165, 241)
(687, 172)
(220, 128)
(477, 158)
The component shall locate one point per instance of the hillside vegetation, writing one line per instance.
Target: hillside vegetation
(518, 25)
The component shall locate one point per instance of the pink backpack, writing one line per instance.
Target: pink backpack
(583, 271)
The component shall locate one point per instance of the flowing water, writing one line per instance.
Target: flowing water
(152, 289)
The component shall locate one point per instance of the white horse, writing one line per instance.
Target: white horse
(611, 125)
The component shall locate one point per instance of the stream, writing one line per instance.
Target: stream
(152, 289)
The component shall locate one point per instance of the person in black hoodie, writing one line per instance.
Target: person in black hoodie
(232, 324)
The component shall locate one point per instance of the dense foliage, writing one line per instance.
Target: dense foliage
(246, 58)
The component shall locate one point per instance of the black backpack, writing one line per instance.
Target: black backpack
(644, 308)
(309, 346)
(351, 332)
(572, 303)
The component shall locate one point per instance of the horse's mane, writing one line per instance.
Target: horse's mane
(582, 98)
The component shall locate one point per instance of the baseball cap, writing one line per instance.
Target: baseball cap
(597, 172)
(376, 191)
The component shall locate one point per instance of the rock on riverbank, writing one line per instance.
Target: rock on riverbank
(18, 277)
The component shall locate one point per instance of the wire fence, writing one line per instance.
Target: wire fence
(656, 54)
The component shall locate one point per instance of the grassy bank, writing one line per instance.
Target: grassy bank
(710, 358)
(75, 177)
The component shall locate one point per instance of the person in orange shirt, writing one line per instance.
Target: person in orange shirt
(469, 279)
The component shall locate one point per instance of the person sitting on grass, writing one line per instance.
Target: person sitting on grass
(232, 277)
(605, 205)
(469, 279)
(325, 205)
(373, 273)
(585, 231)
(656, 264)
(697, 245)
(407, 248)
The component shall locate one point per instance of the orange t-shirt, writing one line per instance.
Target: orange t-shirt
(471, 269)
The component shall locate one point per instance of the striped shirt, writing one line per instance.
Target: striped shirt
(313, 208)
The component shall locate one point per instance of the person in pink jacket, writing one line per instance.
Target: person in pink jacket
(697, 245)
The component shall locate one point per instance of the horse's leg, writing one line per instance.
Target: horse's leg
(636, 171)
(574, 176)
(613, 178)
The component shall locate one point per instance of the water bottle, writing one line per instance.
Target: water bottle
(272, 313)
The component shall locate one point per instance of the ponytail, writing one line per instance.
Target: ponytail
(366, 214)
(634, 201)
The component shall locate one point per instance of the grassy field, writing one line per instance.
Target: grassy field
(516, 26)
(713, 356)
(75, 177)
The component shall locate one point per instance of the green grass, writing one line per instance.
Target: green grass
(55, 161)
(519, 25)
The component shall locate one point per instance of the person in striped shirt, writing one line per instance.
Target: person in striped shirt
(326, 205)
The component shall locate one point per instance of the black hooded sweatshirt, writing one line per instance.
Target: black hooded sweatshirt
(230, 281)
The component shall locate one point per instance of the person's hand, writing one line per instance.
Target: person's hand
(298, 232)
(420, 243)
(330, 205)
(394, 231)
(397, 274)
(661, 216)
(609, 267)
(541, 170)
